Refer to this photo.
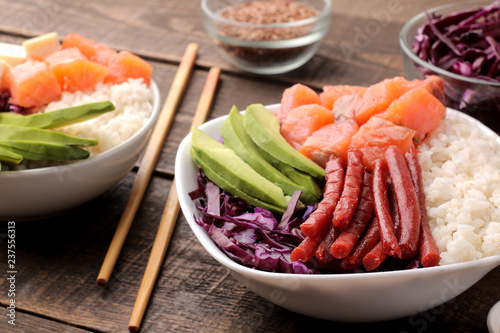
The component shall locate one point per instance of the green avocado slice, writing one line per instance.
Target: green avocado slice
(235, 137)
(264, 129)
(305, 180)
(10, 157)
(58, 118)
(239, 174)
(12, 132)
(42, 151)
(224, 184)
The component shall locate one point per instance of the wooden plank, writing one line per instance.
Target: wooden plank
(28, 323)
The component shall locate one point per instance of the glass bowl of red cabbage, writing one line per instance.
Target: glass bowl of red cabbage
(460, 43)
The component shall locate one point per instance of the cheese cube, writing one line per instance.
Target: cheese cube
(12, 54)
(41, 46)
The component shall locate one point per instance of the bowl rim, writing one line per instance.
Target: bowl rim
(405, 46)
(322, 14)
(493, 318)
(96, 159)
(208, 244)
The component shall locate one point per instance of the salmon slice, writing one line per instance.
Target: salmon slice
(74, 71)
(87, 46)
(433, 83)
(377, 98)
(376, 135)
(417, 109)
(302, 121)
(294, 96)
(331, 139)
(331, 93)
(343, 108)
(124, 65)
(32, 84)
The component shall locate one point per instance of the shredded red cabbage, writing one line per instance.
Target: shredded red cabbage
(249, 235)
(467, 43)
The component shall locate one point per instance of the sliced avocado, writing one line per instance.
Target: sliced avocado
(58, 118)
(12, 132)
(10, 157)
(235, 137)
(224, 184)
(230, 166)
(42, 151)
(264, 129)
(303, 179)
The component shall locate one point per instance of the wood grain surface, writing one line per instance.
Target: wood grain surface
(58, 259)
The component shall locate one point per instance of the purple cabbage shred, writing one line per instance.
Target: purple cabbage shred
(251, 236)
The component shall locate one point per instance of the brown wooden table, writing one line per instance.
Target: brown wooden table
(58, 259)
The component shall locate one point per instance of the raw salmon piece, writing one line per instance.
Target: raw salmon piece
(124, 65)
(331, 139)
(376, 135)
(296, 95)
(87, 46)
(417, 109)
(32, 84)
(343, 108)
(64, 55)
(74, 71)
(332, 93)
(433, 83)
(377, 98)
(302, 121)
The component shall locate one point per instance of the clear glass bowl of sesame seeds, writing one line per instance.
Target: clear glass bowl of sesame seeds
(267, 36)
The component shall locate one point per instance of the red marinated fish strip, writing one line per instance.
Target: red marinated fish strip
(382, 210)
(393, 204)
(375, 257)
(305, 250)
(368, 240)
(319, 221)
(323, 252)
(408, 206)
(362, 215)
(428, 249)
(352, 187)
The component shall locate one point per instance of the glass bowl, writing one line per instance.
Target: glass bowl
(476, 97)
(266, 48)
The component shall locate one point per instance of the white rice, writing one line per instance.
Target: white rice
(461, 174)
(133, 103)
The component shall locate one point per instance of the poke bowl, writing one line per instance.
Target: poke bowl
(472, 84)
(347, 297)
(38, 189)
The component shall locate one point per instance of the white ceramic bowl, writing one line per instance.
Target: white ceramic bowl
(39, 193)
(364, 297)
(493, 320)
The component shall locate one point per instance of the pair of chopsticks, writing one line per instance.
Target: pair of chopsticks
(170, 213)
(143, 176)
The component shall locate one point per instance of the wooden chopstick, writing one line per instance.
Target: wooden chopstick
(148, 162)
(170, 213)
